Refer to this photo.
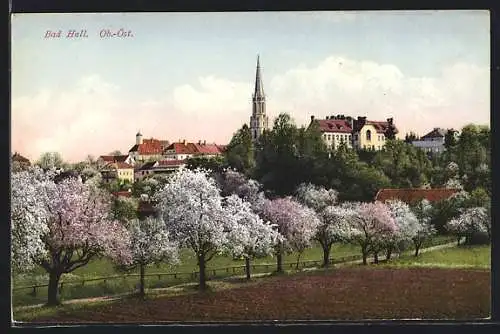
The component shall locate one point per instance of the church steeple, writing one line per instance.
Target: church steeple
(259, 88)
(259, 120)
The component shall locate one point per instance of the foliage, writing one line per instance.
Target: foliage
(124, 208)
(232, 182)
(317, 198)
(423, 212)
(240, 153)
(50, 160)
(214, 164)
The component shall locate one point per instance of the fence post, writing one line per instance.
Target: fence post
(83, 282)
(34, 291)
(159, 277)
(214, 271)
(175, 275)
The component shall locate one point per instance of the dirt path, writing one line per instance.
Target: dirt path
(119, 296)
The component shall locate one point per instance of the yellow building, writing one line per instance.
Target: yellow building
(371, 135)
(118, 171)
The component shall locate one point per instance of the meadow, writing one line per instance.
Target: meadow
(76, 287)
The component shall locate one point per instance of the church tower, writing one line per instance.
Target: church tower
(258, 120)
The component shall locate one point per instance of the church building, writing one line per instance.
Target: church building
(259, 120)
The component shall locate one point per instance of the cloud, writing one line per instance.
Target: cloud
(96, 117)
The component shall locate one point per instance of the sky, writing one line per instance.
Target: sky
(190, 75)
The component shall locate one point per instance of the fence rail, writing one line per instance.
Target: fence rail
(211, 272)
(191, 275)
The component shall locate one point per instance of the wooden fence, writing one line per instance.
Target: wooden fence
(191, 276)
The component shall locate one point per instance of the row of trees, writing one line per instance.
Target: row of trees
(287, 156)
(61, 224)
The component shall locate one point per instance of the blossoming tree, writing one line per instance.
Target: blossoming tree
(79, 229)
(296, 223)
(250, 236)
(333, 225)
(407, 223)
(149, 244)
(29, 217)
(470, 221)
(191, 206)
(423, 212)
(371, 225)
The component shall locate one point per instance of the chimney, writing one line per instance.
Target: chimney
(333, 117)
(204, 142)
(312, 118)
(184, 141)
(389, 121)
(327, 118)
(199, 142)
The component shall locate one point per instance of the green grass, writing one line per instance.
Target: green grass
(456, 257)
(104, 267)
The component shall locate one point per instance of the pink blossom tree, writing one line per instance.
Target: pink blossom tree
(79, 228)
(149, 244)
(191, 206)
(371, 225)
(250, 236)
(296, 223)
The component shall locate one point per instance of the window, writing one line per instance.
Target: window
(337, 137)
(349, 137)
(373, 147)
(329, 137)
(355, 137)
(368, 135)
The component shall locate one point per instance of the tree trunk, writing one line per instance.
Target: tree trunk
(389, 253)
(53, 292)
(417, 249)
(298, 259)
(365, 258)
(279, 260)
(203, 279)
(247, 265)
(142, 293)
(375, 257)
(326, 256)
(458, 241)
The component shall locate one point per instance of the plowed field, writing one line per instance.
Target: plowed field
(343, 294)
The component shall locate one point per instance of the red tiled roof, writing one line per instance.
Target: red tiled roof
(411, 195)
(168, 163)
(19, 158)
(435, 133)
(149, 147)
(180, 148)
(334, 125)
(204, 148)
(113, 158)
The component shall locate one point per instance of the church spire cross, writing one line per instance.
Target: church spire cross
(259, 88)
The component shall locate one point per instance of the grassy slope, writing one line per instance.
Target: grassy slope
(463, 257)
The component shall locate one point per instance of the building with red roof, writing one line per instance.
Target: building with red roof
(147, 149)
(359, 133)
(412, 195)
(121, 171)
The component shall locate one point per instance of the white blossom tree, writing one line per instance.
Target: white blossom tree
(407, 223)
(191, 206)
(296, 223)
(250, 236)
(29, 217)
(333, 225)
(470, 221)
(423, 211)
(149, 244)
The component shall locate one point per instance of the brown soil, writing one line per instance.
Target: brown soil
(344, 294)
